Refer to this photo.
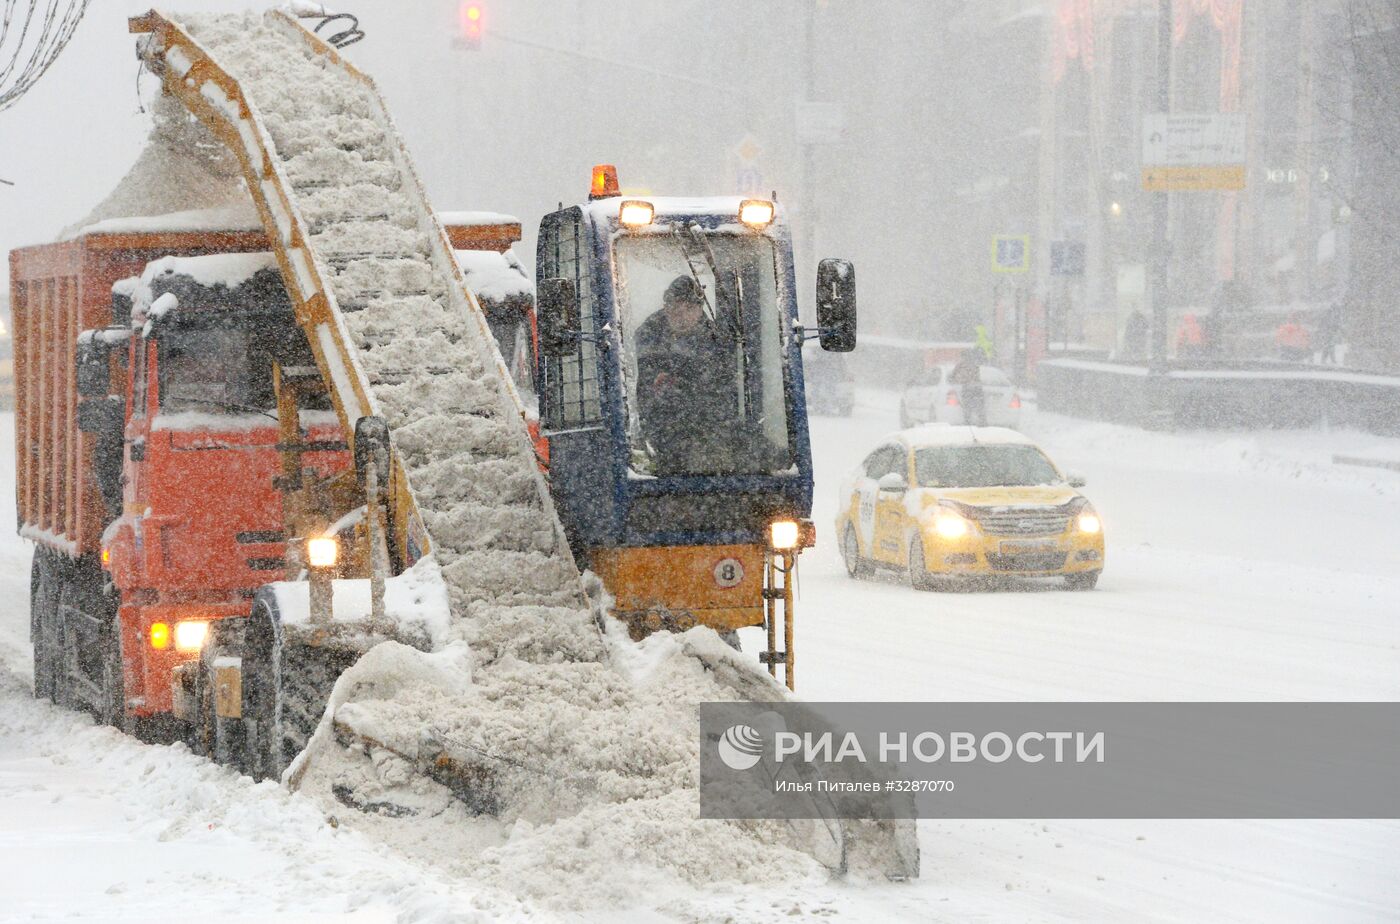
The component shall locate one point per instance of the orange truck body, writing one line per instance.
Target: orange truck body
(201, 524)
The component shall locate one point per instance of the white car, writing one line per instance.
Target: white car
(930, 398)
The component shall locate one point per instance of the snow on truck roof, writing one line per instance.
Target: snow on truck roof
(242, 216)
(217, 269)
(942, 434)
(493, 276)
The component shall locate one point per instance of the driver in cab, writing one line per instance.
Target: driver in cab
(685, 391)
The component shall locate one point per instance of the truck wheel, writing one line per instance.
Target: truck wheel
(285, 689)
(66, 654)
(111, 709)
(42, 616)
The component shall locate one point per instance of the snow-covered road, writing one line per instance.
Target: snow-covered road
(1239, 567)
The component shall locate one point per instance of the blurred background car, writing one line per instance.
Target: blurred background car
(932, 398)
(944, 502)
(831, 386)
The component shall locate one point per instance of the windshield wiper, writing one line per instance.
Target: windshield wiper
(229, 406)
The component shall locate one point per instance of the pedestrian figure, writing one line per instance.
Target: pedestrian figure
(1190, 339)
(1329, 332)
(1292, 340)
(967, 376)
(1135, 331)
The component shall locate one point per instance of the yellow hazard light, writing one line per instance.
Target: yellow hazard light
(322, 551)
(190, 636)
(783, 534)
(160, 636)
(604, 182)
(106, 557)
(635, 213)
(756, 213)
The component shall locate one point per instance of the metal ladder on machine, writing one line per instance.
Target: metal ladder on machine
(779, 570)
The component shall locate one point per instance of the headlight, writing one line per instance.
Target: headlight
(322, 551)
(756, 213)
(635, 213)
(949, 525)
(783, 534)
(189, 636)
(1089, 522)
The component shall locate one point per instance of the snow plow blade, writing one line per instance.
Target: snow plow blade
(534, 723)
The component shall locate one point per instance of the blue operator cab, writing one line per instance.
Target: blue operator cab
(669, 376)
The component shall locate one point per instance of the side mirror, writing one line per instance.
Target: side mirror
(1075, 480)
(836, 305)
(893, 482)
(102, 416)
(557, 316)
(94, 371)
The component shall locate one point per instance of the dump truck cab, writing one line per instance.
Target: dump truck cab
(671, 396)
(200, 525)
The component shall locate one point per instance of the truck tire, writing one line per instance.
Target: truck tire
(43, 614)
(111, 707)
(285, 691)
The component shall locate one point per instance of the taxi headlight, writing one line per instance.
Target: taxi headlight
(949, 525)
(189, 636)
(1088, 522)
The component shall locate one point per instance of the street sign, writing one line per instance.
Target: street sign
(1066, 258)
(1011, 253)
(1171, 179)
(1193, 151)
(748, 178)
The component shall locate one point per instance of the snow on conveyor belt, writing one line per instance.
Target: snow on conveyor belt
(591, 742)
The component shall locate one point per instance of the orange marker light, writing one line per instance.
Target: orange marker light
(106, 557)
(160, 636)
(604, 182)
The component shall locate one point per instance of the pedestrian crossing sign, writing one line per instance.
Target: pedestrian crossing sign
(1011, 253)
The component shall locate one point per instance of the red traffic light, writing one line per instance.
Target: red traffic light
(471, 23)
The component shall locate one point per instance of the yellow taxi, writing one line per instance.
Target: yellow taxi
(942, 501)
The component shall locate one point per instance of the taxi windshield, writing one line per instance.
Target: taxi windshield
(983, 466)
(702, 353)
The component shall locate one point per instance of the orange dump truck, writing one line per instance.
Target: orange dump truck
(154, 471)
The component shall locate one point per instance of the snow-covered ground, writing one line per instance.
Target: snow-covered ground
(1239, 567)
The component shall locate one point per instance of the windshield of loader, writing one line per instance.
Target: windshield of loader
(702, 354)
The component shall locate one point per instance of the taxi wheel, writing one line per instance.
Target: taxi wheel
(1084, 580)
(850, 553)
(918, 569)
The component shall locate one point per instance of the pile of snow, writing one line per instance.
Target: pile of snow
(183, 169)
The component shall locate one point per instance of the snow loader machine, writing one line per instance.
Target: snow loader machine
(322, 398)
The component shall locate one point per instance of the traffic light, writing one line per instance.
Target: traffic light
(471, 22)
